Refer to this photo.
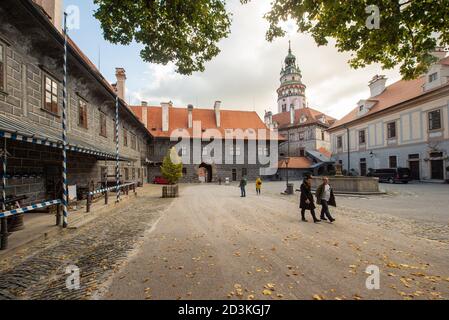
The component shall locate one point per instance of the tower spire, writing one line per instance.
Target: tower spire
(289, 46)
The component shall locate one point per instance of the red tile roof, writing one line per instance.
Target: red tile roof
(313, 117)
(295, 163)
(325, 152)
(396, 93)
(178, 121)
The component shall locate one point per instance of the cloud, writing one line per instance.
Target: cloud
(245, 75)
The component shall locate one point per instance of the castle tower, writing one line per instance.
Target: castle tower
(291, 93)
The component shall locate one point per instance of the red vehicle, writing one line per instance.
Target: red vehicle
(160, 180)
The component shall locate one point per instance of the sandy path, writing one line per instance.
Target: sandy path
(212, 244)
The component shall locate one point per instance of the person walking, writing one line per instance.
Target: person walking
(306, 200)
(258, 185)
(242, 186)
(325, 197)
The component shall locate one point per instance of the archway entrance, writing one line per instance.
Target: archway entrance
(205, 173)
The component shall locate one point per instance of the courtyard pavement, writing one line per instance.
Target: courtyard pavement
(211, 244)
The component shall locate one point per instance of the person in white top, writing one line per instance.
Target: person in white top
(325, 197)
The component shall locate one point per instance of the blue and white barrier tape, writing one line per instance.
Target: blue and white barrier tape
(109, 189)
(29, 208)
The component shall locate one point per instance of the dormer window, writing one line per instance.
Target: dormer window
(433, 77)
(361, 108)
(303, 119)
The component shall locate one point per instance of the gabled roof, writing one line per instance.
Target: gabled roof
(394, 94)
(178, 120)
(312, 116)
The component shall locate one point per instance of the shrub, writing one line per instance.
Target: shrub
(172, 167)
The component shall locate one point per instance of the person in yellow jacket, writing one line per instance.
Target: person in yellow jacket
(258, 185)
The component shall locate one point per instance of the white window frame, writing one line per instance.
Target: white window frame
(433, 77)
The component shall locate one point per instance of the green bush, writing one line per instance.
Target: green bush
(171, 168)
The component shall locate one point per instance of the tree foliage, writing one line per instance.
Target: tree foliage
(179, 31)
(172, 167)
(409, 29)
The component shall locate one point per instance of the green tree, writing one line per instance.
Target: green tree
(409, 30)
(179, 31)
(172, 167)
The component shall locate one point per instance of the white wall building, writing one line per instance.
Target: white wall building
(403, 125)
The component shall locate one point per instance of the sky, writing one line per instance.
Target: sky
(244, 76)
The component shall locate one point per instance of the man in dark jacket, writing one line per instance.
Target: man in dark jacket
(242, 186)
(306, 200)
(325, 197)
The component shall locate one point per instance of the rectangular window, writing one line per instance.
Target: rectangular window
(51, 95)
(393, 160)
(125, 137)
(2, 67)
(82, 113)
(244, 172)
(340, 142)
(184, 171)
(263, 151)
(323, 136)
(126, 174)
(302, 153)
(205, 151)
(237, 151)
(133, 141)
(433, 77)
(435, 120)
(103, 131)
(183, 150)
(301, 136)
(362, 137)
(391, 130)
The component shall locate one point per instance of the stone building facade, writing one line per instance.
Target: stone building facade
(405, 124)
(235, 156)
(31, 97)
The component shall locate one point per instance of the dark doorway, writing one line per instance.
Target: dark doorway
(53, 181)
(234, 174)
(206, 169)
(363, 171)
(414, 170)
(437, 169)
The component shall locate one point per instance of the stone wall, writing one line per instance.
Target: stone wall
(223, 171)
(31, 54)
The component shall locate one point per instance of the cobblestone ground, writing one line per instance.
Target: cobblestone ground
(97, 249)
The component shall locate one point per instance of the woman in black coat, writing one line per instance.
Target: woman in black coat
(306, 200)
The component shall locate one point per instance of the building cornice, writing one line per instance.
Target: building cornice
(414, 102)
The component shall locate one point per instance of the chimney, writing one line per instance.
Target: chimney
(54, 9)
(217, 113)
(190, 116)
(120, 74)
(145, 117)
(292, 115)
(144, 104)
(439, 53)
(165, 115)
(377, 85)
(268, 118)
